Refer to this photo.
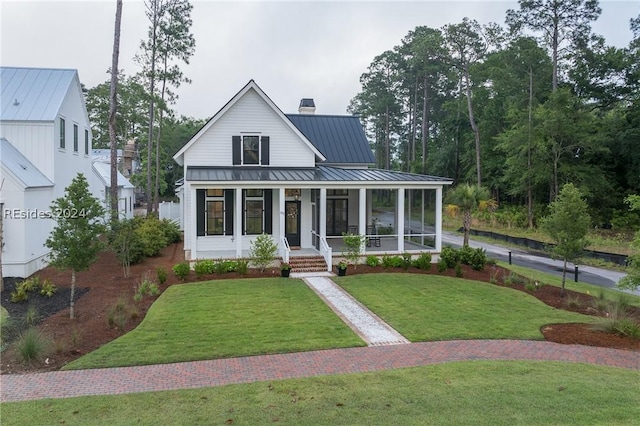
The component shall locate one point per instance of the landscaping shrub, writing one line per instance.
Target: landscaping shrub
(442, 265)
(396, 262)
(119, 314)
(171, 231)
(204, 267)
(477, 259)
(182, 270)
(243, 267)
(373, 261)
(406, 261)
(161, 273)
(151, 233)
(146, 287)
(126, 243)
(423, 261)
(450, 257)
(32, 346)
(459, 272)
(386, 261)
(31, 316)
(353, 244)
(263, 251)
(33, 284)
(47, 288)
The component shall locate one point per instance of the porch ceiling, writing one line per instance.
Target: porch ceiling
(319, 174)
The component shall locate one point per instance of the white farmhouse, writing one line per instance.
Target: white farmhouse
(46, 143)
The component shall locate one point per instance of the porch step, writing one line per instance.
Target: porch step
(307, 264)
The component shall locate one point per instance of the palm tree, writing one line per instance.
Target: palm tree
(466, 199)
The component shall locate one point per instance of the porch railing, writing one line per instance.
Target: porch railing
(284, 249)
(326, 252)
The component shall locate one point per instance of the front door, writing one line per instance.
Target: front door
(292, 222)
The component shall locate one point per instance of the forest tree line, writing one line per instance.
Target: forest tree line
(520, 108)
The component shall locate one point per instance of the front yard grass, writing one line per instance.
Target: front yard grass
(430, 307)
(226, 318)
(479, 392)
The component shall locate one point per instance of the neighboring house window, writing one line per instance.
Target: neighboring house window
(75, 138)
(250, 150)
(215, 212)
(254, 211)
(86, 142)
(62, 133)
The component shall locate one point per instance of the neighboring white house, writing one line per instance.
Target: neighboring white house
(126, 191)
(43, 118)
(303, 178)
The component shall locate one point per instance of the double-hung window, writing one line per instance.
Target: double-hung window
(75, 138)
(250, 150)
(215, 212)
(254, 211)
(62, 133)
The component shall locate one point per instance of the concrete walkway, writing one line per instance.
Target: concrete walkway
(190, 375)
(362, 321)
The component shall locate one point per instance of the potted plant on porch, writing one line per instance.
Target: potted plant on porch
(285, 269)
(342, 269)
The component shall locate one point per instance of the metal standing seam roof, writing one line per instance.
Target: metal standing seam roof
(317, 174)
(340, 138)
(21, 167)
(33, 94)
(104, 172)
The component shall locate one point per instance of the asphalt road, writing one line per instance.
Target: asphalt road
(587, 274)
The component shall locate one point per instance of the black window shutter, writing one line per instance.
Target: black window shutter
(236, 144)
(264, 147)
(201, 212)
(229, 208)
(268, 211)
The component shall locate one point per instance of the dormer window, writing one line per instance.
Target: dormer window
(250, 150)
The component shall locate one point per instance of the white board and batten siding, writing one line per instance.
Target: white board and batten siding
(250, 115)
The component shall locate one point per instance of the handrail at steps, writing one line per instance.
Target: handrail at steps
(284, 249)
(326, 252)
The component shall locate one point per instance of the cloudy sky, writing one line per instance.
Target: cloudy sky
(291, 49)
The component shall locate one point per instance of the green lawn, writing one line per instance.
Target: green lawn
(430, 307)
(472, 393)
(226, 318)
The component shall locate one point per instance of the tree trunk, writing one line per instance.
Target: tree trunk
(472, 121)
(466, 225)
(113, 105)
(152, 86)
(72, 312)
(554, 55)
(425, 125)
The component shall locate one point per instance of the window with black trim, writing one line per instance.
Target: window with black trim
(62, 133)
(75, 138)
(215, 212)
(254, 211)
(86, 142)
(250, 150)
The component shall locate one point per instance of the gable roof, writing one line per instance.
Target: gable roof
(339, 137)
(18, 165)
(33, 94)
(103, 170)
(251, 85)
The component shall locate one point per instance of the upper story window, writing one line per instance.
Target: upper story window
(62, 133)
(75, 138)
(86, 142)
(250, 150)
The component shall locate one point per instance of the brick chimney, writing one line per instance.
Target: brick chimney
(307, 106)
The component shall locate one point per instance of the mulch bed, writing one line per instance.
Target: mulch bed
(100, 288)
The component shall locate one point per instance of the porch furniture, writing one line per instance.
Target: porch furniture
(372, 236)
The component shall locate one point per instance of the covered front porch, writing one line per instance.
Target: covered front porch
(307, 211)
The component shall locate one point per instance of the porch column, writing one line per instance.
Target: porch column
(400, 219)
(362, 216)
(439, 219)
(237, 221)
(193, 223)
(281, 216)
(323, 213)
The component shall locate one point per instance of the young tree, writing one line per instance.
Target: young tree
(74, 242)
(632, 280)
(567, 225)
(467, 198)
(113, 105)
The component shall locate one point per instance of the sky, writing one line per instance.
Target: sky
(292, 49)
